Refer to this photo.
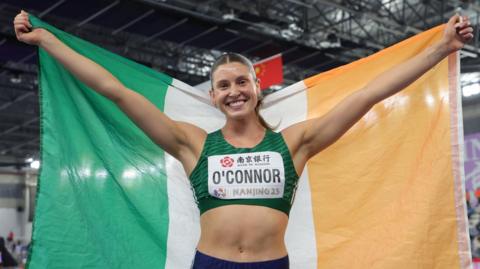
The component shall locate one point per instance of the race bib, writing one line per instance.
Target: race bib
(246, 175)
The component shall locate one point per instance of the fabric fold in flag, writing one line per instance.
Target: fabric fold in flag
(387, 195)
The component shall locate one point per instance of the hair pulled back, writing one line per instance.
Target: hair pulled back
(237, 58)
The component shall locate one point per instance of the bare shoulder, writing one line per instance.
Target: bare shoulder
(194, 139)
(294, 135)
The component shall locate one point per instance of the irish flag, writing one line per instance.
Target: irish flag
(389, 194)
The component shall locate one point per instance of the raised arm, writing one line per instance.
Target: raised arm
(307, 138)
(174, 137)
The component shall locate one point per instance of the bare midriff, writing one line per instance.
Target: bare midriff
(243, 233)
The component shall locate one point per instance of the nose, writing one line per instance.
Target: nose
(234, 91)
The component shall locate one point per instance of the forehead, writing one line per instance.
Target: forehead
(230, 70)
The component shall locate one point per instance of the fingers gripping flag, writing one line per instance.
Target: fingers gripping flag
(386, 195)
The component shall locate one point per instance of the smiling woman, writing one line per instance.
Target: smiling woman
(241, 73)
(243, 226)
(245, 146)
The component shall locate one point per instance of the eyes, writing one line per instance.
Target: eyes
(225, 84)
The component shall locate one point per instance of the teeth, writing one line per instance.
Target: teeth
(236, 103)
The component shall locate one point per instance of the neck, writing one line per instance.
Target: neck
(243, 127)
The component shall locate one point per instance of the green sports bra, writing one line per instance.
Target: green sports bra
(263, 175)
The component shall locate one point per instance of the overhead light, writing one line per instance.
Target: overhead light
(228, 16)
(470, 83)
(29, 160)
(465, 53)
(470, 90)
(293, 31)
(35, 164)
(16, 80)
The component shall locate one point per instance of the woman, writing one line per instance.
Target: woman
(244, 228)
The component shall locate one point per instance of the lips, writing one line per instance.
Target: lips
(236, 103)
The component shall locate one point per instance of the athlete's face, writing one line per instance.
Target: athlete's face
(235, 91)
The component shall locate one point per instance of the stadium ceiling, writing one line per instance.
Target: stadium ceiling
(183, 37)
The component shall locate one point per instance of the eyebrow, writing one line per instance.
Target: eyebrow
(241, 77)
(221, 81)
(226, 80)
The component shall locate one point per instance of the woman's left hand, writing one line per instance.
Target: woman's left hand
(457, 32)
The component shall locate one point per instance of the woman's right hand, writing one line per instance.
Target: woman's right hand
(23, 30)
(182, 140)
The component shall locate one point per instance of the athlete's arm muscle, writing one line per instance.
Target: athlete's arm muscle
(307, 138)
(181, 140)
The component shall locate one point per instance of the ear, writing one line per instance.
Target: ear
(257, 86)
(212, 97)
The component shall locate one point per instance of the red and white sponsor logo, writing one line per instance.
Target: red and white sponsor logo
(226, 162)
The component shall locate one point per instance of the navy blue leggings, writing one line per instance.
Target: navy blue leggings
(203, 261)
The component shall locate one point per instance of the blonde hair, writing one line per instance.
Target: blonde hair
(237, 58)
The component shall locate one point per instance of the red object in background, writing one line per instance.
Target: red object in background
(269, 71)
(10, 236)
(477, 193)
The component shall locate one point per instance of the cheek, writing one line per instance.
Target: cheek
(218, 98)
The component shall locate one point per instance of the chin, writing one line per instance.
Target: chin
(239, 115)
